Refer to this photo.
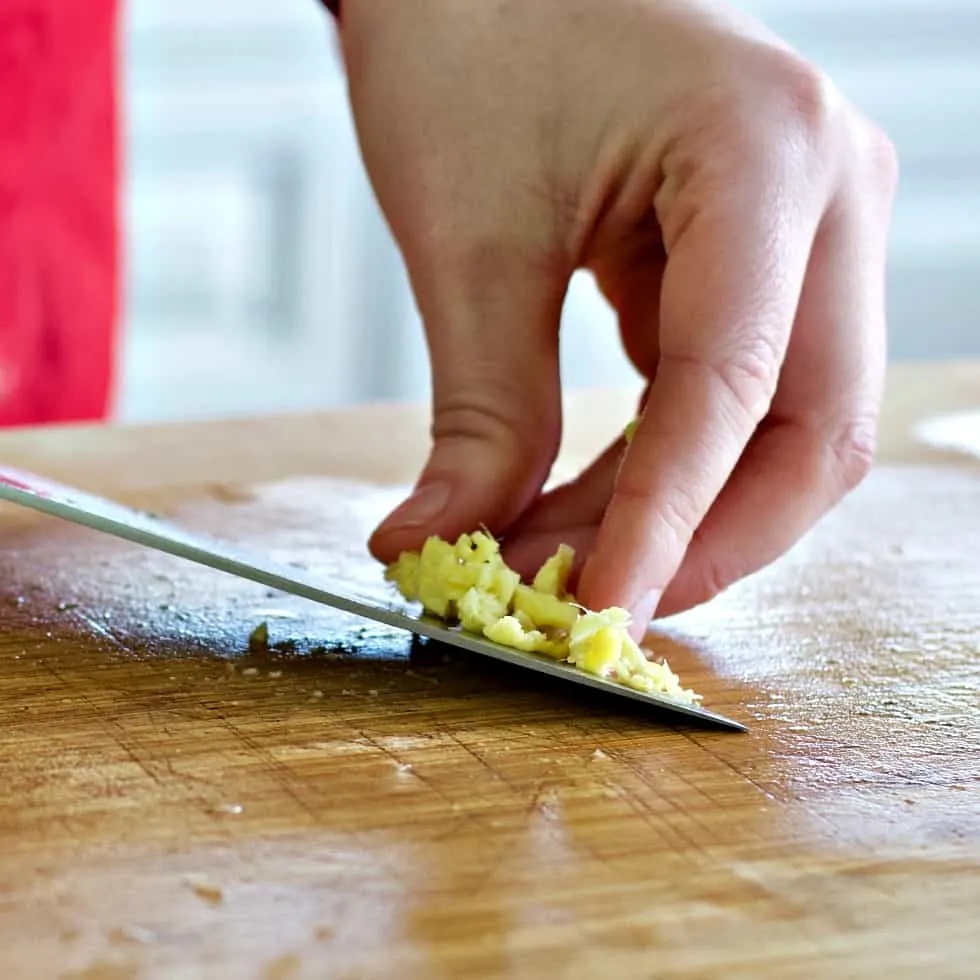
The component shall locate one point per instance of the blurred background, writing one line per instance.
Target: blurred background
(259, 268)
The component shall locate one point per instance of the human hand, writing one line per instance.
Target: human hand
(734, 209)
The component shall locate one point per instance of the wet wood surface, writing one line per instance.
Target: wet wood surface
(348, 804)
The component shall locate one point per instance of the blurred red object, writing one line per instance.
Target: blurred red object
(59, 253)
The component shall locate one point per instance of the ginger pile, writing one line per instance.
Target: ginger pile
(470, 584)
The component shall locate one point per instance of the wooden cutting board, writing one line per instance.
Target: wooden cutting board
(350, 805)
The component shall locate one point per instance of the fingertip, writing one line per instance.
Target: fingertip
(408, 525)
(385, 546)
(642, 612)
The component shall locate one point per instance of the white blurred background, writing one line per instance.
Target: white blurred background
(261, 273)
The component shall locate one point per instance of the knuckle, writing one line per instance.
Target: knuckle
(681, 514)
(463, 260)
(821, 121)
(467, 417)
(678, 513)
(477, 252)
(490, 419)
(853, 451)
(749, 375)
(881, 158)
(752, 375)
(796, 116)
(809, 95)
(675, 514)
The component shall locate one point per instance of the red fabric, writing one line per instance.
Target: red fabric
(58, 210)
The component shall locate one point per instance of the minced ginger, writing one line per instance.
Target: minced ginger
(468, 582)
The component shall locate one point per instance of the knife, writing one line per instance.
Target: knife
(104, 515)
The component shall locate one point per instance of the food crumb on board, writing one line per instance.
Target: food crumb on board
(205, 890)
(258, 639)
(250, 671)
(275, 673)
(232, 808)
(598, 755)
(317, 693)
(285, 967)
(133, 934)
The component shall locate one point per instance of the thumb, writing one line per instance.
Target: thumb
(492, 335)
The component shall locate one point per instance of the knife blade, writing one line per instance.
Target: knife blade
(109, 517)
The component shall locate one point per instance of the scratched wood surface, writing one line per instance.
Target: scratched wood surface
(348, 805)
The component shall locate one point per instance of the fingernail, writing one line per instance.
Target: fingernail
(643, 612)
(425, 504)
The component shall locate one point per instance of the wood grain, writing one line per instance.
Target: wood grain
(352, 805)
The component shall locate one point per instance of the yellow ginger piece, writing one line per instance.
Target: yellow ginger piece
(405, 574)
(438, 578)
(526, 622)
(552, 577)
(597, 640)
(630, 431)
(509, 632)
(543, 609)
(478, 609)
(598, 654)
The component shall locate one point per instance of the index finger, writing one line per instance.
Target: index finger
(730, 291)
